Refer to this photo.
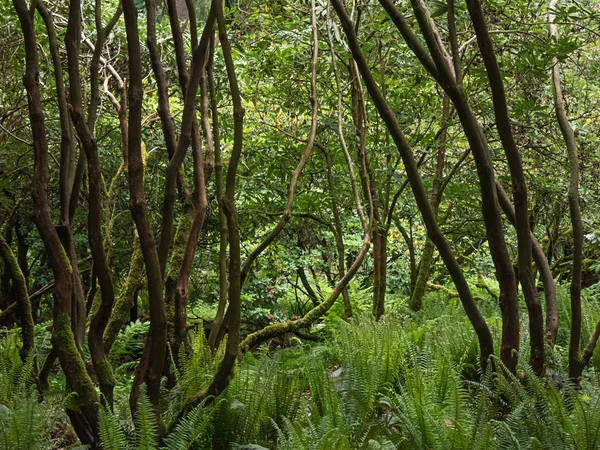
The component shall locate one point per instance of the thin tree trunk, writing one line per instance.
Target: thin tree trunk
(339, 237)
(214, 339)
(188, 133)
(541, 262)
(202, 171)
(412, 259)
(380, 272)
(519, 187)
(66, 174)
(340, 118)
(576, 364)
(126, 299)
(221, 378)
(23, 303)
(63, 339)
(150, 368)
(67, 146)
(101, 269)
(77, 172)
(380, 231)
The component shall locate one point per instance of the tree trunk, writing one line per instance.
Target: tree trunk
(369, 188)
(542, 266)
(380, 272)
(519, 187)
(339, 236)
(576, 364)
(221, 378)
(101, 269)
(63, 339)
(217, 325)
(23, 303)
(150, 368)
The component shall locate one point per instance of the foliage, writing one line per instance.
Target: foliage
(20, 412)
(412, 379)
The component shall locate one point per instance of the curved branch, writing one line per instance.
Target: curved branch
(150, 368)
(519, 186)
(101, 268)
(23, 302)
(541, 262)
(63, 339)
(576, 366)
(261, 336)
(287, 211)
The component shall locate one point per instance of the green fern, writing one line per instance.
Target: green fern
(194, 431)
(112, 435)
(20, 411)
(146, 430)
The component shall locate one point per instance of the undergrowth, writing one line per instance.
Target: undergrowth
(408, 381)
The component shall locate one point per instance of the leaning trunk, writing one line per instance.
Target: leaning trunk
(576, 365)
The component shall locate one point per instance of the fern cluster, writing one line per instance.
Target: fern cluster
(20, 412)
(406, 382)
(372, 386)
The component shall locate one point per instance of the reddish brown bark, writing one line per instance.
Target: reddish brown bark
(519, 186)
(63, 339)
(543, 267)
(576, 364)
(150, 368)
(101, 270)
(187, 134)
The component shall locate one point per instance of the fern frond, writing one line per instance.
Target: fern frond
(146, 430)
(111, 433)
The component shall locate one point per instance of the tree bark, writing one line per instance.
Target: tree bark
(66, 174)
(63, 339)
(576, 364)
(221, 378)
(101, 34)
(67, 146)
(187, 134)
(339, 237)
(217, 325)
(519, 186)
(101, 269)
(541, 262)
(380, 229)
(150, 368)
